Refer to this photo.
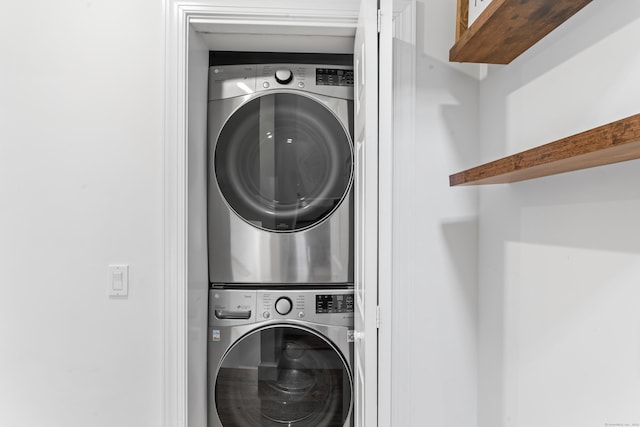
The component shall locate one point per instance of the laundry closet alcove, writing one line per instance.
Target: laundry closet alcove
(192, 30)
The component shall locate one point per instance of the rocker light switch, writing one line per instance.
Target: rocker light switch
(118, 280)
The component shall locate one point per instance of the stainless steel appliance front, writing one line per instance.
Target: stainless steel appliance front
(280, 358)
(280, 174)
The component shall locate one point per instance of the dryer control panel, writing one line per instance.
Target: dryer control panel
(334, 77)
(229, 81)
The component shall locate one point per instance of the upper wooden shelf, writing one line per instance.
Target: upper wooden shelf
(611, 143)
(506, 28)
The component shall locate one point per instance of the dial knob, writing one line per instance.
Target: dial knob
(284, 76)
(283, 306)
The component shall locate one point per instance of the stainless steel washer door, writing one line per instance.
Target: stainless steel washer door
(283, 376)
(283, 162)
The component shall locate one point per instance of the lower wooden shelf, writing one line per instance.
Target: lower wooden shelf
(611, 143)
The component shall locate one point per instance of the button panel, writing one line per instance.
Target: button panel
(335, 81)
(334, 303)
(334, 77)
(301, 305)
(229, 307)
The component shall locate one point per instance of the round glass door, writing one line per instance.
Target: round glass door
(283, 162)
(283, 376)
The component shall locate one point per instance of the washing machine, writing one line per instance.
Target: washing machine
(280, 204)
(280, 358)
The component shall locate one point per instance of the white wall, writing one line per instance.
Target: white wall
(475, 9)
(435, 232)
(560, 256)
(80, 188)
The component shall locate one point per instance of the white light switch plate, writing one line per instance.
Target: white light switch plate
(118, 280)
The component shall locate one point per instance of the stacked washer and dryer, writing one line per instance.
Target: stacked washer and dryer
(280, 226)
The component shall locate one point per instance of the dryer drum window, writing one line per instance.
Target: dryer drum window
(283, 162)
(283, 376)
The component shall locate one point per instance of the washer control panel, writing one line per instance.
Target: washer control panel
(244, 306)
(330, 306)
(334, 303)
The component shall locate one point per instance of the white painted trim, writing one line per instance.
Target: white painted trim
(179, 16)
(175, 232)
(397, 21)
(385, 210)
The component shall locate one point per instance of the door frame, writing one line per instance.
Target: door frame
(180, 16)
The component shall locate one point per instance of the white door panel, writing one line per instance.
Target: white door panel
(396, 89)
(366, 211)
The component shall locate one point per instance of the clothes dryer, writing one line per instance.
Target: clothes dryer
(280, 358)
(280, 174)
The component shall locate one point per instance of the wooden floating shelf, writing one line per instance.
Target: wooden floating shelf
(612, 143)
(506, 28)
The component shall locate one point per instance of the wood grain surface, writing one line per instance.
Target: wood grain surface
(506, 28)
(462, 18)
(614, 142)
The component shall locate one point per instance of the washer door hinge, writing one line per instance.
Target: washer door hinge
(379, 21)
(378, 316)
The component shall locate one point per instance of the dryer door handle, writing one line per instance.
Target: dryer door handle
(233, 314)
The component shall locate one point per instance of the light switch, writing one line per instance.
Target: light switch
(118, 280)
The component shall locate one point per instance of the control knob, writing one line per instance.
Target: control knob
(283, 306)
(284, 76)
